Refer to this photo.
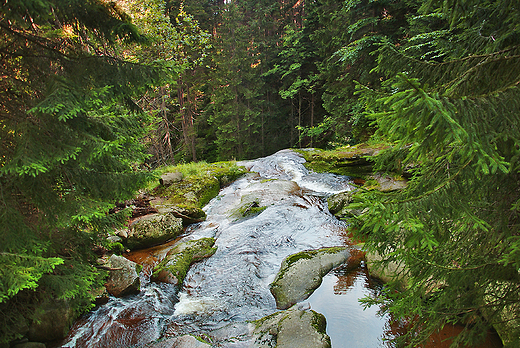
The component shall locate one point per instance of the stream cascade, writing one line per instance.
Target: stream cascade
(231, 287)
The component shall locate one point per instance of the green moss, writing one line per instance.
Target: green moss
(258, 323)
(353, 161)
(250, 209)
(182, 256)
(200, 339)
(117, 248)
(301, 255)
(201, 182)
(319, 323)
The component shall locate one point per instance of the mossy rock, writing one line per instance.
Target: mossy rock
(189, 215)
(248, 208)
(301, 273)
(199, 184)
(52, 320)
(152, 230)
(175, 265)
(385, 182)
(391, 272)
(124, 276)
(354, 161)
(291, 328)
(338, 203)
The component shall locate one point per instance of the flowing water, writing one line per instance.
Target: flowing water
(232, 286)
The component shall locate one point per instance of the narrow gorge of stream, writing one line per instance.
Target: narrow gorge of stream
(232, 286)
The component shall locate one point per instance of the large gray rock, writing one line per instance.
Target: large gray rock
(291, 328)
(153, 229)
(124, 276)
(186, 341)
(301, 273)
(173, 268)
(52, 321)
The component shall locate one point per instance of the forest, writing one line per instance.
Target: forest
(96, 95)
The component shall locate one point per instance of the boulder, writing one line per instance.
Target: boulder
(291, 328)
(301, 273)
(173, 268)
(153, 229)
(186, 341)
(338, 204)
(30, 345)
(392, 271)
(189, 215)
(52, 321)
(169, 178)
(124, 276)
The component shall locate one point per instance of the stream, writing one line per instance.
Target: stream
(232, 286)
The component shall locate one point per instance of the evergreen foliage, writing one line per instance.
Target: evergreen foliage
(449, 103)
(70, 141)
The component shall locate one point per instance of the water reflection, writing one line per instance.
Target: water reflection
(348, 325)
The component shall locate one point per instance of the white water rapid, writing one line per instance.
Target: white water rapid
(232, 286)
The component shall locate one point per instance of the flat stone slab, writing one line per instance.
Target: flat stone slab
(301, 273)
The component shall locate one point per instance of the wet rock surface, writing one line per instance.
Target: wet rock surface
(152, 230)
(124, 276)
(186, 341)
(301, 273)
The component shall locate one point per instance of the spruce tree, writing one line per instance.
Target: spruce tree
(450, 105)
(70, 141)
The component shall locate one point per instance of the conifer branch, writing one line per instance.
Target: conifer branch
(428, 193)
(34, 39)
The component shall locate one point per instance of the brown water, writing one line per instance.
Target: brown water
(232, 286)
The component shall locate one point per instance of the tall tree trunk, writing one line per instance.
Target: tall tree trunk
(299, 119)
(167, 132)
(312, 113)
(186, 119)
